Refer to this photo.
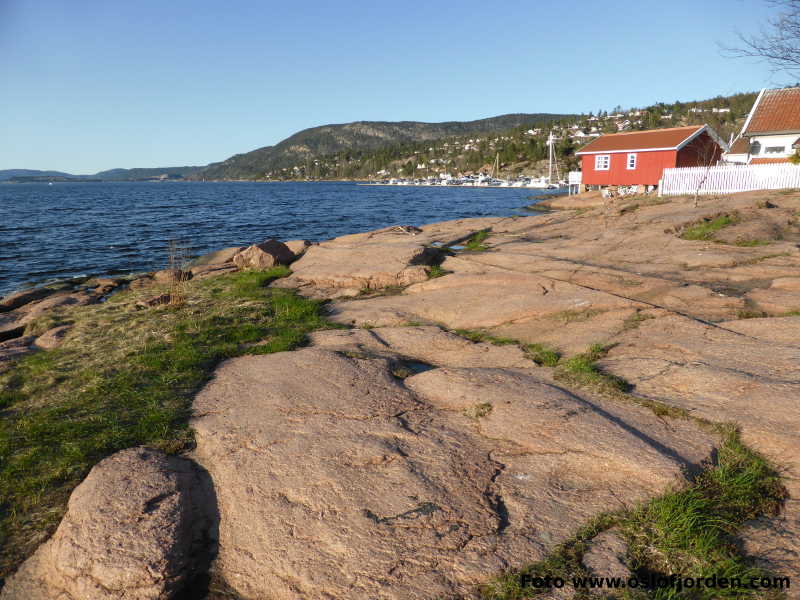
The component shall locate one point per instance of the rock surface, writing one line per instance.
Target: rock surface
(52, 338)
(298, 247)
(378, 260)
(264, 256)
(171, 276)
(606, 556)
(335, 480)
(218, 257)
(424, 344)
(13, 350)
(135, 529)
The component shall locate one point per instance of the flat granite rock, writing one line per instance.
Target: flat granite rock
(335, 480)
(367, 265)
(471, 301)
(431, 345)
(746, 372)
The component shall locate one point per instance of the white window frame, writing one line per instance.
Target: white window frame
(602, 162)
(635, 157)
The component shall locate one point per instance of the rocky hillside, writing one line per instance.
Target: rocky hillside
(609, 390)
(327, 140)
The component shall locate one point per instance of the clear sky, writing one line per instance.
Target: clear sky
(88, 85)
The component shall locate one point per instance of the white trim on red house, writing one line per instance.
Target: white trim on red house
(752, 111)
(630, 163)
(607, 162)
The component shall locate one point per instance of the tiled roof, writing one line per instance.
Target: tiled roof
(768, 161)
(641, 140)
(776, 111)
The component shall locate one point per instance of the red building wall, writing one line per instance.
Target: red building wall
(701, 151)
(649, 167)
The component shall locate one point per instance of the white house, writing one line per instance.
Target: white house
(771, 133)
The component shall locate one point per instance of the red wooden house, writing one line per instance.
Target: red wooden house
(640, 157)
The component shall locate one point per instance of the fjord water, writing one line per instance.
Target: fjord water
(65, 230)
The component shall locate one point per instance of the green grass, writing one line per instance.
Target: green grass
(582, 370)
(751, 243)
(436, 271)
(687, 531)
(542, 355)
(124, 377)
(636, 319)
(481, 336)
(475, 242)
(705, 229)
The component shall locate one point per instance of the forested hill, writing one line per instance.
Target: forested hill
(358, 137)
(377, 150)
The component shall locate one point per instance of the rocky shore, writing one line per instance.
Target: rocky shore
(488, 388)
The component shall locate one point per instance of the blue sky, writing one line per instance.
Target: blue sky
(87, 85)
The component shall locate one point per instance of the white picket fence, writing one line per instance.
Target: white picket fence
(729, 179)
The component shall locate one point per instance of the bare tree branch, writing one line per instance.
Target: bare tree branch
(779, 42)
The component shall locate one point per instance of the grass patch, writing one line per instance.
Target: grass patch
(475, 242)
(125, 377)
(635, 320)
(751, 314)
(582, 370)
(542, 355)
(751, 243)
(687, 531)
(481, 336)
(437, 271)
(705, 229)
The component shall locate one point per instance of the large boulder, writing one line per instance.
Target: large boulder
(263, 256)
(137, 528)
(334, 480)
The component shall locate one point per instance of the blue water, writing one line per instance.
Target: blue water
(65, 230)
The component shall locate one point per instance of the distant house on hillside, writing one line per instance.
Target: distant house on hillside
(638, 158)
(771, 133)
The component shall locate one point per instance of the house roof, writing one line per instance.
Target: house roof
(768, 161)
(775, 111)
(740, 146)
(672, 138)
